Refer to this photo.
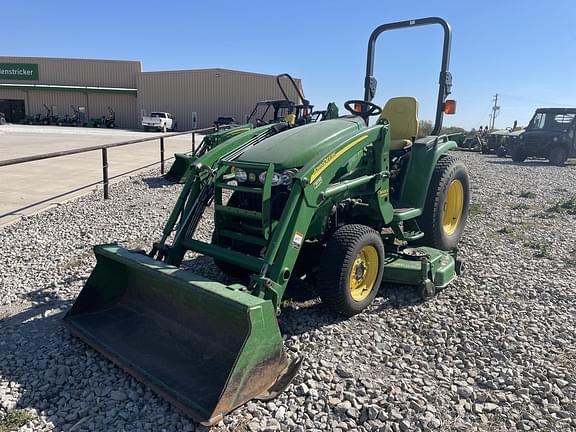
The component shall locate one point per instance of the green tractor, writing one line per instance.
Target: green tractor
(264, 115)
(342, 204)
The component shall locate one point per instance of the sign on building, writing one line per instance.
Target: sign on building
(19, 71)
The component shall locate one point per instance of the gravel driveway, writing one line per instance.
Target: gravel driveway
(494, 351)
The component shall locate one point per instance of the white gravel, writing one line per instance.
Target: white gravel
(494, 351)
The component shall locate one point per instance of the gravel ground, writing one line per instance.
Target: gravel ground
(494, 351)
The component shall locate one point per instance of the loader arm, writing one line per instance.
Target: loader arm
(198, 177)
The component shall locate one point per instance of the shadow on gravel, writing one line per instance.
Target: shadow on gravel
(530, 163)
(27, 348)
(157, 182)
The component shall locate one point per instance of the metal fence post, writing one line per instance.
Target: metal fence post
(162, 155)
(193, 142)
(105, 172)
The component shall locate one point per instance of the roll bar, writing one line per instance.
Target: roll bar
(300, 95)
(445, 79)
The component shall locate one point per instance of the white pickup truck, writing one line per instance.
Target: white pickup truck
(161, 121)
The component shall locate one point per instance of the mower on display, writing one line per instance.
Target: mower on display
(107, 121)
(339, 204)
(50, 118)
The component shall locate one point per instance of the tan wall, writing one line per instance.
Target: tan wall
(211, 93)
(98, 73)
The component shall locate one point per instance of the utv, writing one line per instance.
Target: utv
(494, 141)
(550, 135)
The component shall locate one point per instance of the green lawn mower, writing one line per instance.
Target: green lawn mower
(340, 204)
(105, 121)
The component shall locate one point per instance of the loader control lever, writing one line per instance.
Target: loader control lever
(362, 108)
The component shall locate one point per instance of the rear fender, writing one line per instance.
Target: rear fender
(321, 171)
(423, 157)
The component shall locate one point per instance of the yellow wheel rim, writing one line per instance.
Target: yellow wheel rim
(453, 207)
(364, 272)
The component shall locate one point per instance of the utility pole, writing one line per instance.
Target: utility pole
(494, 113)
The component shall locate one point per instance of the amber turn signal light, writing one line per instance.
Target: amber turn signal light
(450, 106)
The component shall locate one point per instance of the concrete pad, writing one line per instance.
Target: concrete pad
(30, 187)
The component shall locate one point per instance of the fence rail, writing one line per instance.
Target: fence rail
(104, 149)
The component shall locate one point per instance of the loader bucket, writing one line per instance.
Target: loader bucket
(204, 346)
(179, 167)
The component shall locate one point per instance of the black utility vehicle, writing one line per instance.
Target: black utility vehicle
(550, 134)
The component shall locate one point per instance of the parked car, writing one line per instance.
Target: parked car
(160, 121)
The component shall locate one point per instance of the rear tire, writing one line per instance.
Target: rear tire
(351, 268)
(446, 209)
(518, 155)
(501, 152)
(558, 156)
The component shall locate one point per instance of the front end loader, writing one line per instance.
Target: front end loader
(340, 204)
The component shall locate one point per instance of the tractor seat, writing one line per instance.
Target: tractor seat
(402, 114)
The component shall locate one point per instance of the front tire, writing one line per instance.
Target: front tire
(446, 209)
(518, 155)
(228, 269)
(558, 156)
(351, 268)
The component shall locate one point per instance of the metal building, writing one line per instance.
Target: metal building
(208, 92)
(28, 84)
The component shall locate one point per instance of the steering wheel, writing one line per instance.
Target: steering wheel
(260, 122)
(362, 108)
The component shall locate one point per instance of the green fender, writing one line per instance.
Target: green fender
(423, 157)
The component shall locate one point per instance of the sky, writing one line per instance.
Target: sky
(522, 50)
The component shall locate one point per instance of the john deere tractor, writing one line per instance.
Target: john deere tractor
(342, 204)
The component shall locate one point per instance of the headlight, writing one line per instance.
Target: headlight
(240, 175)
(276, 178)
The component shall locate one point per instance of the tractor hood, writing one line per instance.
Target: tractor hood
(294, 147)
